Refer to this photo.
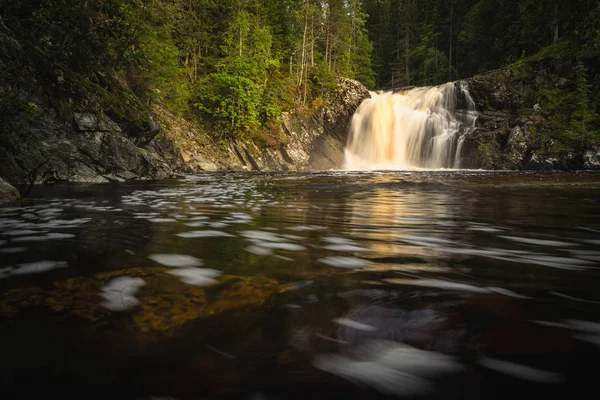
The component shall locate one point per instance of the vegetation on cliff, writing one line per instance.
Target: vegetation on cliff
(233, 66)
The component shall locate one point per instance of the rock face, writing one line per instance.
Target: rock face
(61, 126)
(513, 130)
(317, 143)
(313, 141)
(7, 192)
(96, 144)
(92, 149)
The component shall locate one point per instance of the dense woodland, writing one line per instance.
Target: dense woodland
(234, 65)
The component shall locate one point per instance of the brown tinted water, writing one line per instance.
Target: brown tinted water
(462, 284)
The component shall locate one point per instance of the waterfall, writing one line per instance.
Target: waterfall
(417, 128)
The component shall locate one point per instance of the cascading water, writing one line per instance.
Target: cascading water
(417, 128)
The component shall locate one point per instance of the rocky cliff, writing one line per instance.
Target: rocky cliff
(102, 133)
(66, 127)
(313, 140)
(532, 115)
(57, 125)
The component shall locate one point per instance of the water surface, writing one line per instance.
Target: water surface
(442, 284)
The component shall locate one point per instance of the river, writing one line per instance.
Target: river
(429, 284)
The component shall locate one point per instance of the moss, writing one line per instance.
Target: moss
(102, 92)
(488, 153)
(165, 302)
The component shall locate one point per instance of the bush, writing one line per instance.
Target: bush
(229, 102)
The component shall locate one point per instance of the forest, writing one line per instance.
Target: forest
(232, 66)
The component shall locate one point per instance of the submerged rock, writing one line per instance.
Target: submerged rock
(157, 300)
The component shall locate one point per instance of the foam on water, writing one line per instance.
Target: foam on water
(521, 371)
(176, 260)
(391, 368)
(196, 276)
(36, 267)
(119, 293)
(203, 234)
(354, 324)
(344, 262)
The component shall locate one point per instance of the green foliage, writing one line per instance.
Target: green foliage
(488, 151)
(17, 123)
(583, 125)
(235, 65)
(230, 103)
(472, 36)
(434, 63)
(571, 113)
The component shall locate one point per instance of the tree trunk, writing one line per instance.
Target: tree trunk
(240, 40)
(450, 52)
(407, 58)
(437, 71)
(303, 59)
(327, 47)
(312, 40)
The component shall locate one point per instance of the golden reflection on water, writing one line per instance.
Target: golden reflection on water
(389, 215)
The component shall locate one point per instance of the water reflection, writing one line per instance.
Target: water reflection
(340, 284)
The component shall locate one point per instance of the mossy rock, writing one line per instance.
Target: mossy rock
(165, 302)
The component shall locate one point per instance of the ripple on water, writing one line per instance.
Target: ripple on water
(176, 260)
(36, 267)
(259, 250)
(203, 234)
(49, 236)
(438, 284)
(218, 225)
(196, 276)
(302, 228)
(336, 240)
(282, 246)
(162, 220)
(261, 235)
(13, 250)
(23, 232)
(523, 372)
(345, 248)
(119, 293)
(391, 368)
(195, 224)
(354, 324)
(344, 262)
(539, 242)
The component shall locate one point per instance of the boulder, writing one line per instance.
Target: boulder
(98, 122)
(7, 192)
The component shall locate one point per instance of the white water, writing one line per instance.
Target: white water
(417, 128)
